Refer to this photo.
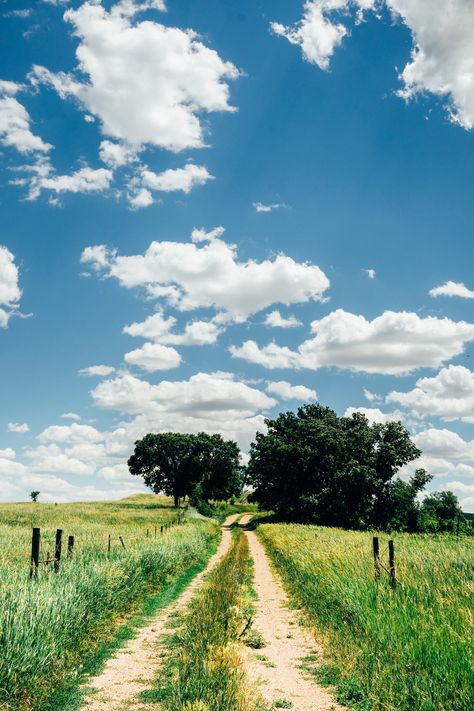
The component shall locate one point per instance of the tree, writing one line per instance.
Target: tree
(398, 508)
(440, 512)
(165, 461)
(316, 466)
(203, 465)
(34, 496)
(217, 467)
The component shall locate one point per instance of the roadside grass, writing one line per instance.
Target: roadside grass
(56, 628)
(203, 669)
(403, 649)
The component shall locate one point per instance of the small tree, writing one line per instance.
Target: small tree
(34, 496)
(440, 511)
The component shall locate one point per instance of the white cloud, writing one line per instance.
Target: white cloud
(116, 155)
(371, 273)
(203, 394)
(152, 357)
(158, 328)
(97, 370)
(370, 396)
(145, 82)
(117, 473)
(286, 391)
(19, 428)
(394, 343)
(444, 444)
(84, 180)
(7, 453)
(50, 458)
(276, 320)
(441, 59)
(72, 434)
(141, 198)
(374, 415)
(191, 276)
(452, 288)
(460, 487)
(180, 179)
(15, 123)
(10, 292)
(202, 235)
(70, 416)
(261, 207)
(449, 395)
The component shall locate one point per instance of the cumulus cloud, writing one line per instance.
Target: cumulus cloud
(441, 60)
(452, 288)
(84, 180)
(202, 235)
(7, 453)
(97, 370)
(179, 179)
(190, 276)
(394, 343)
(140, 198)
(286, 391)
(276, 320)
(15, 123)
(70, 416)
(449, 395)
(18, 427)
(116, 155)
(10, 292)
(444, 444)
(153, 356)
(73, 434)
(179, 77)
(159, 329)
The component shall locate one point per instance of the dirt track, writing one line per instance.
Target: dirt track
(134, 666)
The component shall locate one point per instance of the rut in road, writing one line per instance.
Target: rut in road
(286, 644)
(134, 667)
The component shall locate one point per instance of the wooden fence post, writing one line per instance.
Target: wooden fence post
(161, 529)
(70, 546)
(109, 546)
(57, 549)
(121, 541)
(35, 550)
(375, 546)
(391, 564)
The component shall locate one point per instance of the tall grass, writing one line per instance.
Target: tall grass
(204, 671)
(409, 649)
(48, 625)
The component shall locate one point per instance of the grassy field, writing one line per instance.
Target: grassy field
(407, 649)
(49, 626)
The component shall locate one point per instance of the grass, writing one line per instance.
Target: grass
(407, 649)
(49, 626)
(203, 670)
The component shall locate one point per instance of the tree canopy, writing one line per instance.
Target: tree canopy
(317, 467)
(203, 466)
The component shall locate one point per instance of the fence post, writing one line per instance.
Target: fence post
(35, 550)
(375, 546)
(70, 546)
(121, 541)
(155, 531)
(161, 529)
(57, 549)
(109, 546)
(391, 564)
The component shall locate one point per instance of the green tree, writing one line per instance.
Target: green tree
(165, 461)
(440, 512)
(34, 496)
(397, 507)
(316, 466)
(202, 465)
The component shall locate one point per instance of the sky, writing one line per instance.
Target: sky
(214, 211)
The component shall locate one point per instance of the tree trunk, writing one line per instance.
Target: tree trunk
(176, 500)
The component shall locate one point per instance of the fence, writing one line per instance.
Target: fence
(378, 565)
(55, 559)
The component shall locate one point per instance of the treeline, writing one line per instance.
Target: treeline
(309, 467)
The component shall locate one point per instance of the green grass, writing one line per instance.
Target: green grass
(407, 649)
(203, 671)
(50, 626)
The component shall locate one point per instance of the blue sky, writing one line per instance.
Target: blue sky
(334, 147)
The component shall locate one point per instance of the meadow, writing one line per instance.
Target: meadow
(50, 625)
(405, 649)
